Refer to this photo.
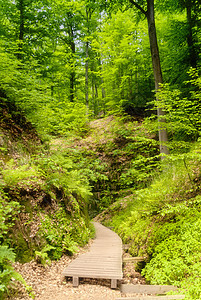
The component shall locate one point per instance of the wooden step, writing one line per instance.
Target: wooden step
(169, 297)
(133, 259)
(102, 261)
(146, 289)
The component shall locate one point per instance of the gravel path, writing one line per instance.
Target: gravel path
(48, 282)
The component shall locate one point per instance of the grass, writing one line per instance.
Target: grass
(162, 222)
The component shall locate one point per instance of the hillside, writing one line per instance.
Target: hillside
(100, 117)
(113, 173)
(155, 207)
(112, 155)
(43, 214)
(46, 194)
(40, 228)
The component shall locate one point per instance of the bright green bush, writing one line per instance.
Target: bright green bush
(59, 170)
(7, 273)
(163, 223)
(14, 174)
(182, 113)
(175, 247)
(8, 213)
(61, 118)
(63, 232)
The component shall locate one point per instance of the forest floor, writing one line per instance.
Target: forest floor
(104, 127)
(49, 283)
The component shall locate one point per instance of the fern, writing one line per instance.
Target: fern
(6, 254)
(42, 256)
(7, 273)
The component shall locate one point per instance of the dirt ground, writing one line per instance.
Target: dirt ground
(48, 282)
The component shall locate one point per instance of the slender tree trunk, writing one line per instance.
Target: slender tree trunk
(136, 84)
(72, 79)
(149, 13)
(157, 74)
(21, 7)
(72, 74)
(93, 95)
(190, 40)
(87, 75)
(103, 96)
(87, 65)
(96, 97)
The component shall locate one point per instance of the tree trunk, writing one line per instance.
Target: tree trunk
(163, 139)
(21, 7)
(72, 73)
(149, 13)
(190, 40)
(87, 65)
(87, 76)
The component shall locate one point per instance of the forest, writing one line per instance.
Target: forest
(100, 117)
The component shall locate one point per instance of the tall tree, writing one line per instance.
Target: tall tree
(148, 10)
(89, 26)
(123, 48)
(192, 10)
(21, 6)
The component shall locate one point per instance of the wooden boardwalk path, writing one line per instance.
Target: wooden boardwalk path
(104, 259)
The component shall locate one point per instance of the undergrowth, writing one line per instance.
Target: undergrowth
(122, 157)
(8, 214)
(43, 206)
(162, 223)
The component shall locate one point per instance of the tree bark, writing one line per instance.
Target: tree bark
(87, 76)
(21, 7)
(72, 73)
(87, 63)
(149, 13)
(163, 138)
(190, 39)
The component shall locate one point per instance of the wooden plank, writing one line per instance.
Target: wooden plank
(169, 297)
(104, 259)
(94, 275)
(133, 259)
(101, 276)
(75, 281)
(113, 284)
(146, 289)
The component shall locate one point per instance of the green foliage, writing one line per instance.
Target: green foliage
(46, 49)
(140, 173)
(171, 32)
(141, 152)
(7, 274)
(63, 233)
(6, 271)
(119, 158)
(42, 256)
(182, 114)
(7, 256)
(61, 172)
(63, 118)
(176, 242)
(162, 222)
(122, 45)
(18, 175)
(8, 213)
